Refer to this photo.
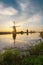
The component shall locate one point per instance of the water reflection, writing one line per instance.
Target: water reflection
(32, 37)
(19, 40)
(14, 37)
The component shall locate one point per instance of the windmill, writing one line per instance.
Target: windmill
(14, 30)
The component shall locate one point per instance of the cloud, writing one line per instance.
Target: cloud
(23, 6)
(7, 15)
(34, 18)
(37, 5)
(33, 21)
(7, 11)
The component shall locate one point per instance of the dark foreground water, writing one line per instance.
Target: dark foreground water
(23, 41)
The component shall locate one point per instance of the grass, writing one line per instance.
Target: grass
(37, 49)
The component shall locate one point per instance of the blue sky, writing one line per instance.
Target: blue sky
(26, 13)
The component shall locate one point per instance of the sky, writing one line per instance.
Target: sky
(25, 13)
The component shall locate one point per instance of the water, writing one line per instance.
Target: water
(23, 41)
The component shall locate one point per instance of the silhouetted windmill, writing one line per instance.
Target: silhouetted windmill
(14, 30)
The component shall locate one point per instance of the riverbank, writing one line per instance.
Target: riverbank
(14, 57)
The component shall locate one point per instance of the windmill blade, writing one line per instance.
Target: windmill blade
(17, 26)
(14, 25)
(11, 26)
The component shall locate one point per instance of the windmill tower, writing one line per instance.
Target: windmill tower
(14, 28)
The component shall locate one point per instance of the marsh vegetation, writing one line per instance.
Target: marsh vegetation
(13, 57)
